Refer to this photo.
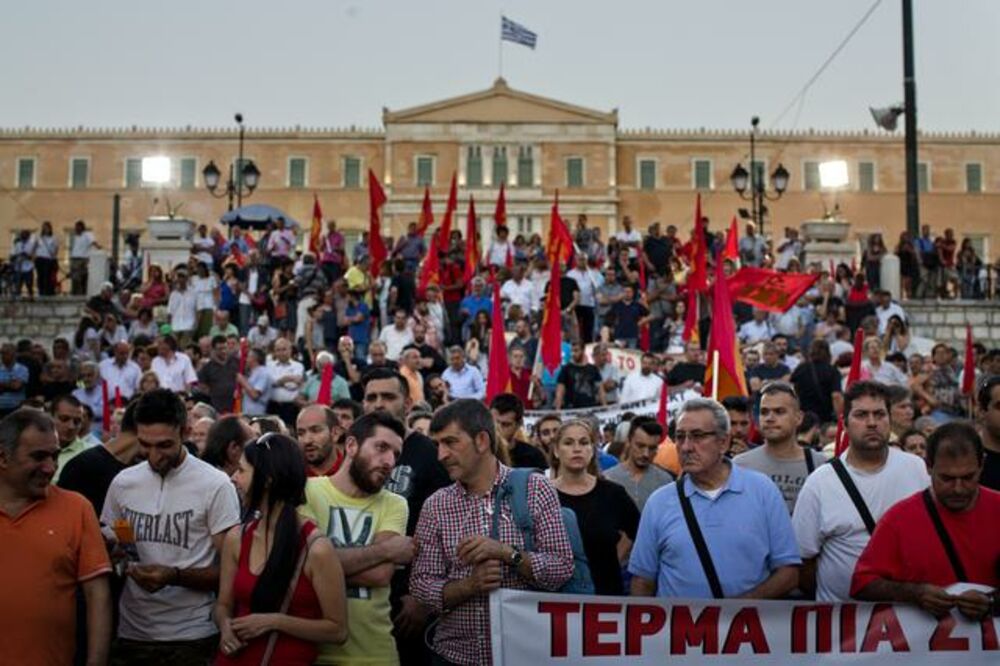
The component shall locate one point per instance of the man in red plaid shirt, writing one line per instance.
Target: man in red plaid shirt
(457, 563)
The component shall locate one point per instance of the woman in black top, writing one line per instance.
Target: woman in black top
(818, 383)
(607, 516)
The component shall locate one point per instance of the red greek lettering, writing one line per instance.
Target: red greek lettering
(685, 632)
(559, 613)
(884, 626)
(746, 628)
(640, 621)
(594, 626)
(942, 640)
(823, 628)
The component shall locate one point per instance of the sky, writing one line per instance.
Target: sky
(664, 64)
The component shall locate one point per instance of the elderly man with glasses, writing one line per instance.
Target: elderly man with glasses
(721, 530)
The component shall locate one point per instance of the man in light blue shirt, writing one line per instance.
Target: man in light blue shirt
(13, 380)
(464, 380)
(256, 384)
(740, 512)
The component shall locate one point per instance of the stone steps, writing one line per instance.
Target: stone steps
(41, 320)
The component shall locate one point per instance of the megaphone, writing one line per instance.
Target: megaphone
(887, 117)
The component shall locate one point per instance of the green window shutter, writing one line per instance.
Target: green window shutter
(574, 172)
(923, 177)
(474, 167)
(425, 171)
(702, 175)
(78, 175)
(525, 168)
(811, 175)
(647, 174)
(974, 177)
(297, 172)
(133, 172)
(188, 172)
(499, 166)
(866, 176)
(352, 172)
(25, 174)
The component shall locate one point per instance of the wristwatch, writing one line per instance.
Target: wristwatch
(516, 557)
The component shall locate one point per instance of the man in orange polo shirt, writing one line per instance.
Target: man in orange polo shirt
(51, 543)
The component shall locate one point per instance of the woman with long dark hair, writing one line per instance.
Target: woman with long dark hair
(281, 586)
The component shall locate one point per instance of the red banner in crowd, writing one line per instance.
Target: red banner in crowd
(769, 290)
(376, 246)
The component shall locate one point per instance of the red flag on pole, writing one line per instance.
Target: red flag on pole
(969, 365)
(560, 243)
(769, 290)
(444, 232)
(106, 410)
(498, 375)
(426, 213)
(376, 246)
(731, 380)
(551, 338)
(509, 259)
(500, 212)
(691, 318)
(325, 394)
(644, 341)
(732, 248)
(471, 245)
(238, 393)
(662, 414)
(316, 231)
(430, 271)
(118, 397)
(841, 442)
(697, 279)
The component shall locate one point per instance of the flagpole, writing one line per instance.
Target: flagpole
(715, 375)
(500, 49)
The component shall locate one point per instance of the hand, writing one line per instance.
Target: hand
(228, 642)
(485, 576)
(151, 577)
(251, 626)
(477, 549)
(399, 549)
(972, 604)
(412, 617)
(935, 600)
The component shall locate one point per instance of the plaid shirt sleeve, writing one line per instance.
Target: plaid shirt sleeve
(429, 574)
(552, 558)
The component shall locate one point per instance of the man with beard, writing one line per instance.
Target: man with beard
(366, 524)
(829, 526)
(645, 384)
(348, 411)
(546, 429)
(989, 415)
(738, 409)
(909, 560)
(416, 476)
(636, 473)
(437, 391)
(579, 383)
(431, 360)
(175, 509)
(318, 430)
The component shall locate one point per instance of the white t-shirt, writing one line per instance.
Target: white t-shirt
(280, 392)
(395, 340)
(183, 310)
(176, 375)
(47, 247)
(497, 255)
(755, 331)
(641, 387)
(884, 314)
(124, 378)
(80, 244)
(630, 237)
(518, 294)
(828, 525)
(203, 250)
(588, 288)
(204, 290)
(173, 519)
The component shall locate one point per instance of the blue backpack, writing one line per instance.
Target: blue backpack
(515, 491)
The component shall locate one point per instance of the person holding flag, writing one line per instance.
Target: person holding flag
(332, 253)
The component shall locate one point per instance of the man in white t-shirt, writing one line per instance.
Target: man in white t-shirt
(828, 526)
(396, 336)
(629, 238)
(287, 377)
(887, 308)
(182, 307)
(642, 385)
(80, 245)
(172, 512)
(121, 372)
(517, 290)
(756, 330)
(171, 367)
(501, 249)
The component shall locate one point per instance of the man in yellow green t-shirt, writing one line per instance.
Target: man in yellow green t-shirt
(367, 526)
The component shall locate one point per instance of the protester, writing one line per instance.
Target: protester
(224, 442)
(319, 432)
(988, 401)
(646, 384)
(173, 368)
(13, 380)
(508, 412)
(636, 473)
(579, 383)
(287, 376)
(463, 380)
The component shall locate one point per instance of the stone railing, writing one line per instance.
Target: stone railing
(41, 320)
(945, 321)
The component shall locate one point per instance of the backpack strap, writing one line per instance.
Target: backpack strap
(810, 463)
(517, 481)
(854, 493)
(699, 541)
(949, 545)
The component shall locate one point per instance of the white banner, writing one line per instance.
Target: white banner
(535, 628)
(613, 413)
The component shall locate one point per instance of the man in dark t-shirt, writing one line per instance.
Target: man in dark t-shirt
(579, 383)
(816, 383)
(988, 401)
(691, 370)
(218, 376)
(508, 412)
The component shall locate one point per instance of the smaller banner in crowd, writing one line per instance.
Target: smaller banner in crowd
(769, 290)
(613, 413)
(578, 629)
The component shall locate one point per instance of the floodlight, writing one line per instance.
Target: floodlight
(833, 174)
(156, 170)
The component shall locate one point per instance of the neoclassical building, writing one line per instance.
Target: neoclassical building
(534, 144)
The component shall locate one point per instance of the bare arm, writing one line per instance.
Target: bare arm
(781, 581)
(560, 396)
(374, 565)
(807, 577)
(838, 402)
(643, 587)
(98, 598)
(327, 578)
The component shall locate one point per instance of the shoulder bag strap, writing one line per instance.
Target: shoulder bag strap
(273, 638)
(699, 542)
(854, 493)
(949, 545)
(810, 463)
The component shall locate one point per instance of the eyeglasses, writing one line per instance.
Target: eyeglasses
(694, 435)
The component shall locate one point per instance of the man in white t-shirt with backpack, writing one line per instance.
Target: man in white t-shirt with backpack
(171, 514)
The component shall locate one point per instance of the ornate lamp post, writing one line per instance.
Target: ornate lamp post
(249, 175)
(753, 180)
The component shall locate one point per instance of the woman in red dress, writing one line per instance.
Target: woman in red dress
(262, 560)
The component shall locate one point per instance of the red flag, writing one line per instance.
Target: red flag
(238, 393)
(498, 375)
(118, 397)
(376, 247)
(509, 259)
(841, 442)
(697, 279)
(560, 243)
(106, 410)
(662, 414)
(430, 271)
(237, 254)
(551, 339)
(500, 212)
(426, 214)
(325, 394)
(732, 248)
(691, 318)
(644, 341)
(316, 231)
(769, 290)
(251, 243)
(969, 365)
(444, 232)
(722, 341)
(472, 258)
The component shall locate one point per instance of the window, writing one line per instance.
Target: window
(133, 172)
(26, 173)
(974, 177)
(499, 165)
(352, 172)
(79, 168)
(425, 170)
(525, 167)
(810, 176)
(297, 172)
(702, 174)
(574, 172)
(189, 172)
(923, 176)
(647, 174)
(525, 225)
(866, 176)
(474, 167)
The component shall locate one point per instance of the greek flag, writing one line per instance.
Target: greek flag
(515, 32)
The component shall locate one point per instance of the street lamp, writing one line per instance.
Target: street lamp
(743, 180)
(249, 175)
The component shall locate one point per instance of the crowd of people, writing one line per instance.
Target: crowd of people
(268, 456)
